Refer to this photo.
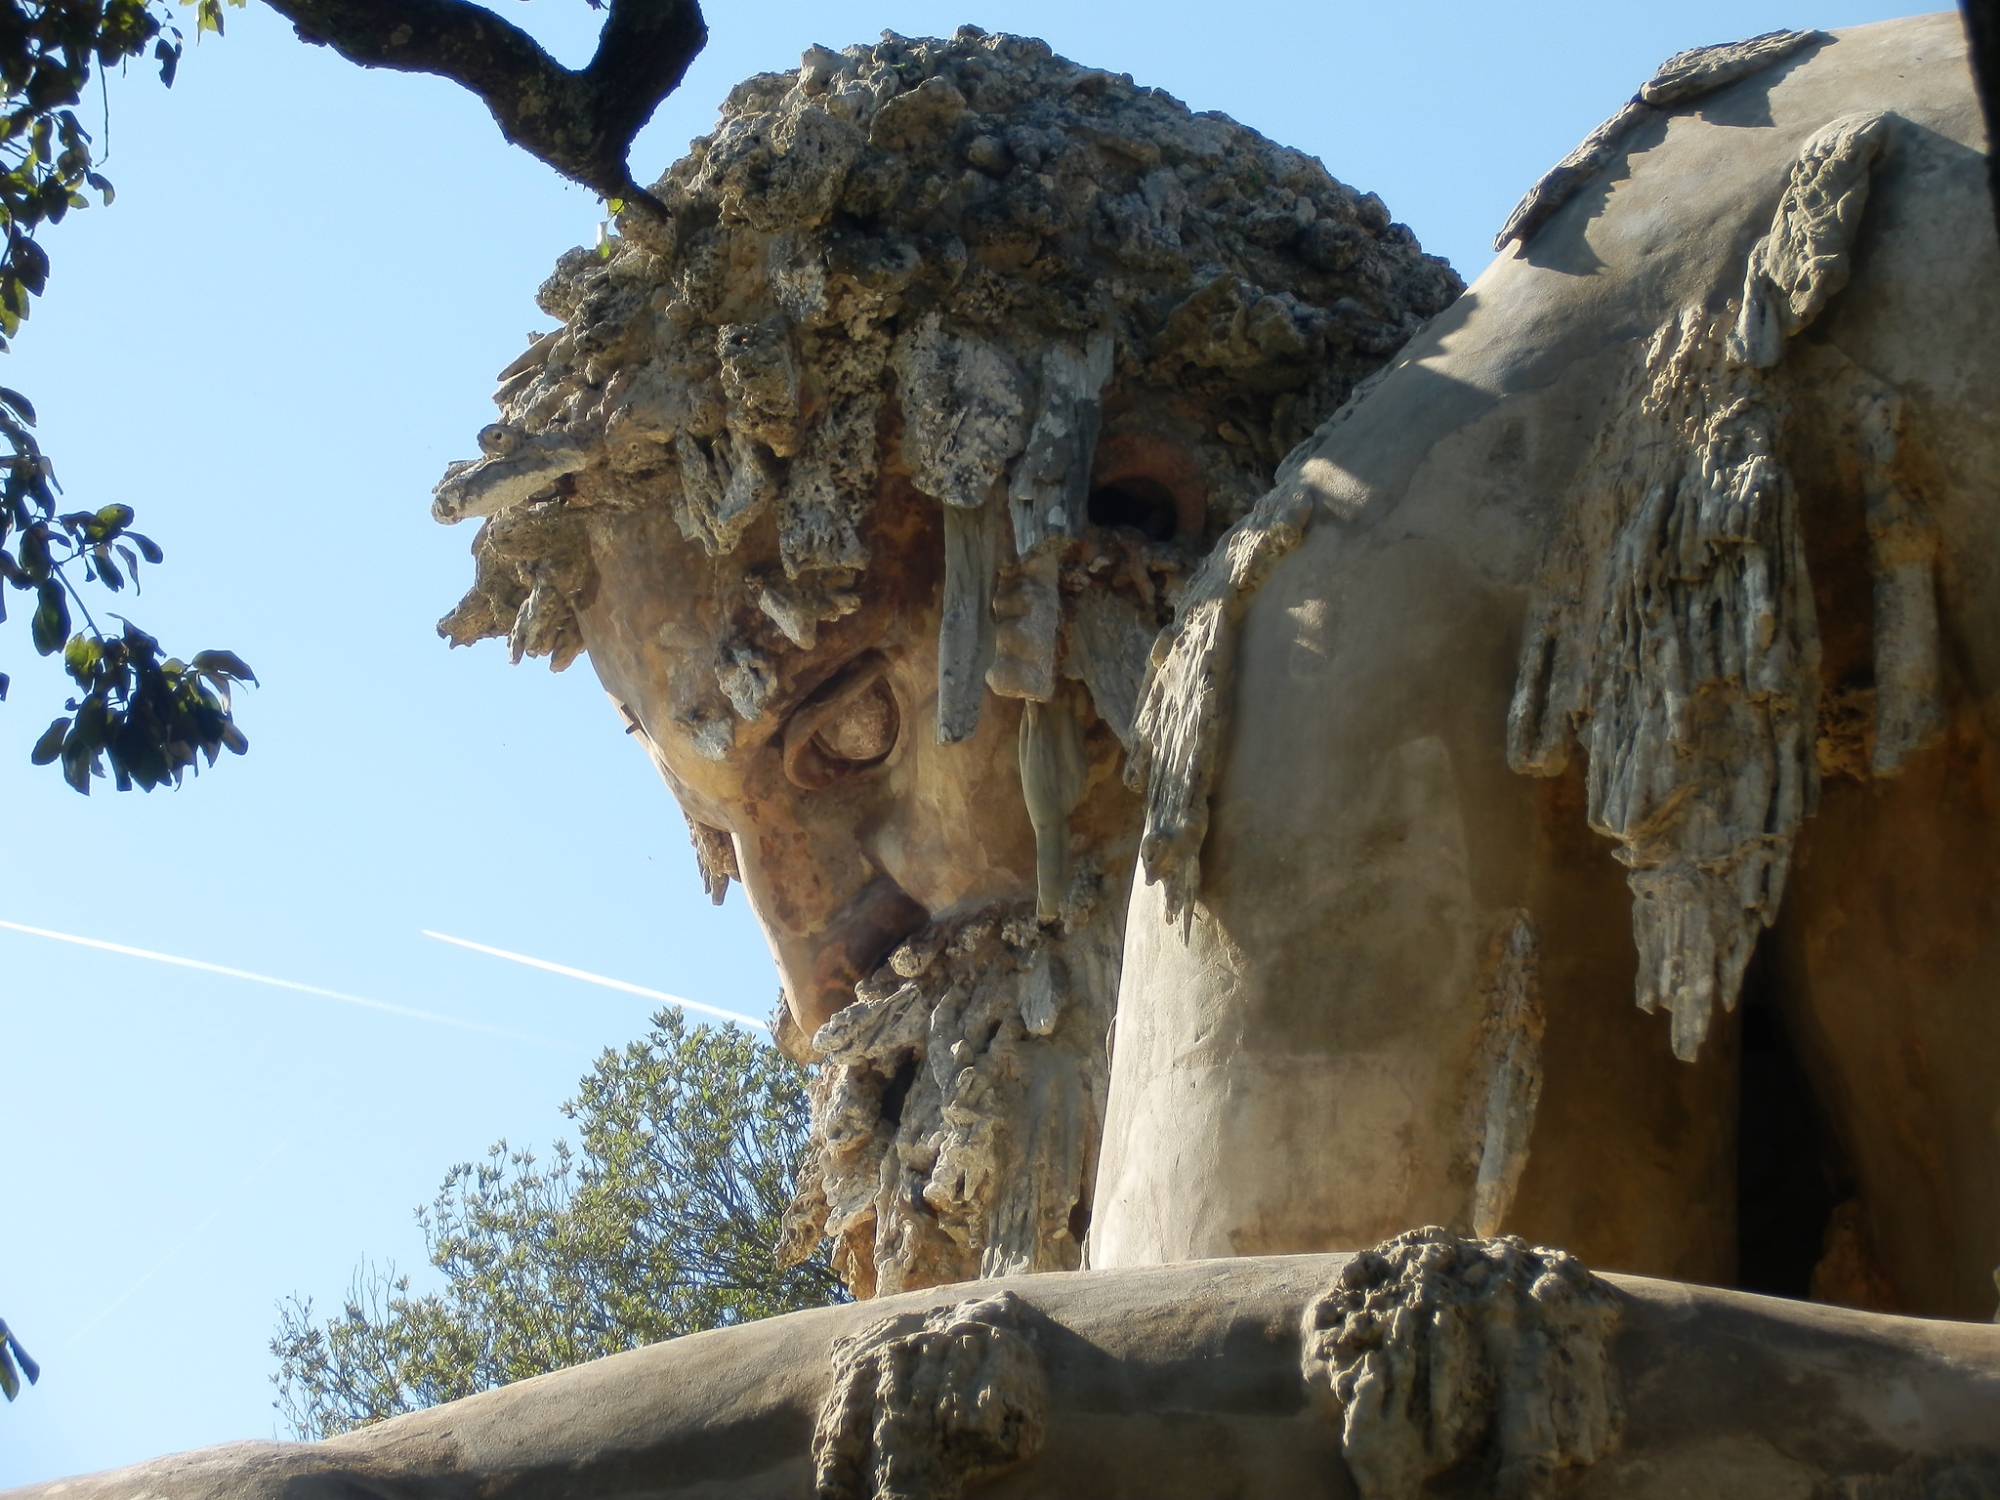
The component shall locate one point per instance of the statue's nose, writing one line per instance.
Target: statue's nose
(820, 968)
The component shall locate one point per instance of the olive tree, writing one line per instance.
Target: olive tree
(665, 1219)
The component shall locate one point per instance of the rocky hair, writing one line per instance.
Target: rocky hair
(947, 249)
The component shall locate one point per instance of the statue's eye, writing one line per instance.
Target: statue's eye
(861, 730)
(852, 724)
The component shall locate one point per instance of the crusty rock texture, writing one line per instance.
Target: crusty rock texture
(1175, 1382)
(1438, 1350)
(1682, 78)
(1507, 1085)
(968, 239)
(1676, 637)
(957, 1112)
(923, 1404)
(963, 265)
(1962, 1474)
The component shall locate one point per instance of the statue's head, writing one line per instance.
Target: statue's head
(897, 433)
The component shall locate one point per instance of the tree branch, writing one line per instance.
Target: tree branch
(581, 123)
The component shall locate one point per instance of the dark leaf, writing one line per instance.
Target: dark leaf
(148, 548)
(76, 771)
(18, 404)
(50, 628)
(225, 664)
(49, 746)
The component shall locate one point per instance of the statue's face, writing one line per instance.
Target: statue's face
(916, 281)
(853, 826)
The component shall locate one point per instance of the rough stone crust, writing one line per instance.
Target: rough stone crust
(1674, 633)
(1510, 1070)
(1963, 1474)
(1684, 76)
(715, 854)
(938, 252)
(1804, 262)
(924, 1405)
(1437, 1351)
(956, 1116)
(1184, 709)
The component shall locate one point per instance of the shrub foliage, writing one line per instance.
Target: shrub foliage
(664, 1220)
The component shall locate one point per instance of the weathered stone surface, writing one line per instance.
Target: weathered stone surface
(1179, 727)
(1501, 1114)
(732, 362)
(1724, 587)
(1440, 1352)
(1683, 77)
(1677, 635)
(925, 308)
(957, 1112)
(1168, 1383)
(1802, 264)
(925, 1404)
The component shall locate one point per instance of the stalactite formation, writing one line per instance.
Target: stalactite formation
(1674, 636)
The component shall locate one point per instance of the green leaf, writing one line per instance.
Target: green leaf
(49, 746)
(50, 628)
(82, 656)
(225, 664)
(18, 404)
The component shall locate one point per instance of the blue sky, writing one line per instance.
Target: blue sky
(270, 346)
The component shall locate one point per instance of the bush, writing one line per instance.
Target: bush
(667, 1222)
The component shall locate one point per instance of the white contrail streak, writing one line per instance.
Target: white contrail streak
(589, 978)
(283, 984)
(187, 1239)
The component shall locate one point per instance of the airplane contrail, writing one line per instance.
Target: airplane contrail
(590, 978)
(283, 984)
(187, 1239)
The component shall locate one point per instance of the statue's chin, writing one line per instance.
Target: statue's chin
(957, 1111)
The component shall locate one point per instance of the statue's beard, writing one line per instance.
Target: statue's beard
(956, 1116)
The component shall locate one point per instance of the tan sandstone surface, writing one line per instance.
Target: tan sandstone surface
(1686, 511)
(1180, 1381)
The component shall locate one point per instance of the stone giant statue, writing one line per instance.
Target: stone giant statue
(867, 480)
(1216, 785)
